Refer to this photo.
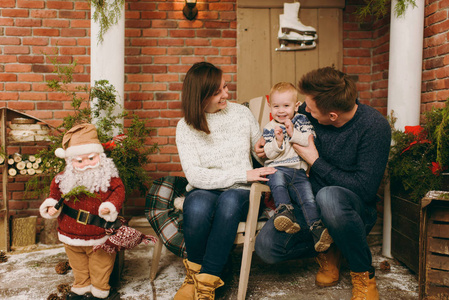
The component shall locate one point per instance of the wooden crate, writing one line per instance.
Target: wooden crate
(434, 250)
(405, 232)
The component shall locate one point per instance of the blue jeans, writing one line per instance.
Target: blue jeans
(347, 217)
(289, 186)
(211, 218)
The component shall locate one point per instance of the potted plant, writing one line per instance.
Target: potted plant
(419, 157)
(98, 105)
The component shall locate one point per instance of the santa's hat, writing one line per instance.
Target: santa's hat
(81, 139)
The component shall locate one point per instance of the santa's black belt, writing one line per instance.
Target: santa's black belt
(86, 218)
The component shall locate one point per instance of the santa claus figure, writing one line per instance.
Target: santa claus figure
(84, 218)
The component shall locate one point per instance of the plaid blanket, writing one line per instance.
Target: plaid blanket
(167, 221)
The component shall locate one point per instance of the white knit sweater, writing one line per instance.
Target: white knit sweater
(219, 160)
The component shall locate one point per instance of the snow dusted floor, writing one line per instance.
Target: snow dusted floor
(31, 276)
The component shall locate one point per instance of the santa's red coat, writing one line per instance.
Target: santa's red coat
(77, 234)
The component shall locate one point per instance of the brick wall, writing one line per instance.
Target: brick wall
(435, 76)
(161, 45)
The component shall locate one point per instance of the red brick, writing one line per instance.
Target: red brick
(9, 96)
(46, 32)
(22, 105)
(14, 13)
(16, 50)
(73, 32)
(17, 87)
(67, 14)
(8, 77)
(32, 96)
(154, 87)
(13, 31)
(30, 77)
(166, 60)
(18, 68)
(30, 4)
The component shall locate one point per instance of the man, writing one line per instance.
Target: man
(348, 160)
(94, 195)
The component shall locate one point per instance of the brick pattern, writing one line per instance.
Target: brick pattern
(161, 45)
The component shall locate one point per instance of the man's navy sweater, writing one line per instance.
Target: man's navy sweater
(353, 156)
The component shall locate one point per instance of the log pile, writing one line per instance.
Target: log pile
(21, 164)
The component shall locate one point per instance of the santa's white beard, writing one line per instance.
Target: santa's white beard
(94, 180)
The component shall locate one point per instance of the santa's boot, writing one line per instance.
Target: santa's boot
(205, 286)
(329, 271)
(364, 286)
(187, 289)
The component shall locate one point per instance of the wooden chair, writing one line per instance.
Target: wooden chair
(247, 231)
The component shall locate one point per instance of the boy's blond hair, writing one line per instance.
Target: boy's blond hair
(285, 87)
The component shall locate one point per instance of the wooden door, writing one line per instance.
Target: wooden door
(259, 66)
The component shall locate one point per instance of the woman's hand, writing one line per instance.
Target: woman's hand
(258, 148)
(309, 153)
(259, 174)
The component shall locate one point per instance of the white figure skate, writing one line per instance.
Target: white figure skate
(292, 31)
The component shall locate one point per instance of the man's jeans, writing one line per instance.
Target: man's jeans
(290, 186)
(347, 217)
(211, 218)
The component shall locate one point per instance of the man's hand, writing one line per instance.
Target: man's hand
(309, 153)
(258, 148)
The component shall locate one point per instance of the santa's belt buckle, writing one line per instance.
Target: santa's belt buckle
(86, 219)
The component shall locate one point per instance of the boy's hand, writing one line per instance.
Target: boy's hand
(278, 132)
(289, 127)
(105, 211)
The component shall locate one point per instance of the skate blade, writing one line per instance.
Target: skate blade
(287, 30)
(295, 46)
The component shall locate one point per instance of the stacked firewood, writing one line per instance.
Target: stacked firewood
(22, 164)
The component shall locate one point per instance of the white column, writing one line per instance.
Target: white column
(107, 60)
(404, 83)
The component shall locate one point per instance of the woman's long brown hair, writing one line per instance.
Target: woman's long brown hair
(201, 82)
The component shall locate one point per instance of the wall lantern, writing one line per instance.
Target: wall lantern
(190, 11)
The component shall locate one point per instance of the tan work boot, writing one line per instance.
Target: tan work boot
(364, 286)
(329, 271)
(205, 286)
(187, 289)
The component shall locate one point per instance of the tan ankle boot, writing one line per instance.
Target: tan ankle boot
(205, 286)
(364, 287)
(187, 289)
(329, 271)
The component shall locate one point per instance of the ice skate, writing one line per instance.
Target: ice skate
(293, 35)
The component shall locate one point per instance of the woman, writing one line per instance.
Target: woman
(214, 139)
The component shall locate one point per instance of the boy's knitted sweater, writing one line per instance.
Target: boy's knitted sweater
(286, 156)
(219, 160)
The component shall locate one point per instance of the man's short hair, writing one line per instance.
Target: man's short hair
(331, 89)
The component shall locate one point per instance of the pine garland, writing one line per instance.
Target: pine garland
(106, 14)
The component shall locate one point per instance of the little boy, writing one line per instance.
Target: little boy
(290, 182)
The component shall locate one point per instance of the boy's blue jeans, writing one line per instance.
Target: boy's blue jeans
(347, 217)
(290, 186)
(211, 218)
